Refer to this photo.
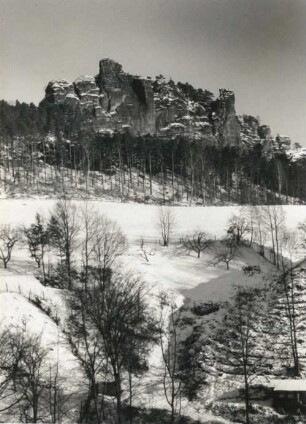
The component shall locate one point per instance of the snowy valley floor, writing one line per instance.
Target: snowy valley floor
(172, 270)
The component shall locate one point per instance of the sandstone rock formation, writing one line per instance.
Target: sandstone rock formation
(115, 100)
(60, 91)
(87, 91)
(225, 122)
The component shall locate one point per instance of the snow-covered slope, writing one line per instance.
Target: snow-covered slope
(179, 274)
(173, 270)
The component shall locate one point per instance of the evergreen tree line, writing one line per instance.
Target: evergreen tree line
(199, 169)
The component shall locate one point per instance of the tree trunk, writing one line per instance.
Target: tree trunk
(68, 264)
(246, 394)
(131, 398)
(117, 378)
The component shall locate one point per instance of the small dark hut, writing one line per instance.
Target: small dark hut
(289, 395)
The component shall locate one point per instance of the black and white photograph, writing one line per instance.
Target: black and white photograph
(153, 211)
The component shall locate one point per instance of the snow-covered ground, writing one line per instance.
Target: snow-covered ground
(139, 220)
(170, 269)
(118, 185)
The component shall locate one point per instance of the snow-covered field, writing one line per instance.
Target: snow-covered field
(139, 220)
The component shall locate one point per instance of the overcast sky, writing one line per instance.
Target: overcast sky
(255, 47)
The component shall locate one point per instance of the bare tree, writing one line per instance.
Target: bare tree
(86, 345)
(11, 352)
(30, 379)
(226, 252)
(37, 384)
(57, 399)
(166, 224)
(249, 214)
(63, 229)
(238, 227)
(273, 219)
(109, 242)
(120, 314)
(9, 236)
(287, 288)
(258, 228)
(90, 218)
(288, 247)
(37, 238)
(144, 251)
(169, 331)
(293, 317)
(103, 239)
(243, 340)
(197, 242)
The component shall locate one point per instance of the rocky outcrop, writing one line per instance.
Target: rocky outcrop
(282, 142)
(127, 99)
(115, 100)
(87, 91)
(179, 113)
(225, 122)
(61, 91)
(264, 132)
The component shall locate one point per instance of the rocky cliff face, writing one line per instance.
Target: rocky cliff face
(116, 100)
(225, 122)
